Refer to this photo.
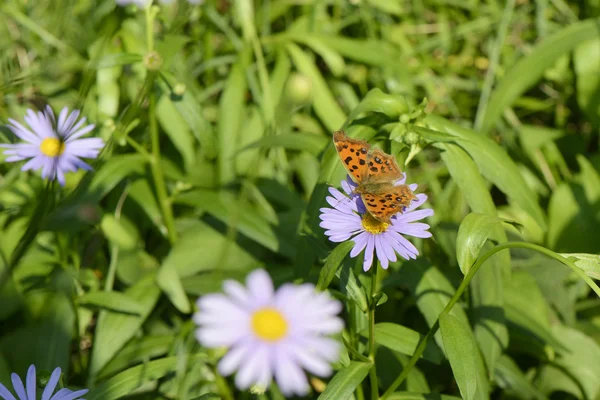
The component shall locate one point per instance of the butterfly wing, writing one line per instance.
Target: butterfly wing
(382, 168)
(387, 202)
(353, 153)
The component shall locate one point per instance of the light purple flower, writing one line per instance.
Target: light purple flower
(348, 218)
(53, 146)
(270, 333)
(28, 391)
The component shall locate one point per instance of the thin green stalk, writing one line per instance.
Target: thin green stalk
(494, 61)
(138, 148)
(157, 173)
(150, 14)
(360, 394)
(114, 254)
(461, 289)
(373, 370)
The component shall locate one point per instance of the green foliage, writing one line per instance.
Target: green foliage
(218, 161)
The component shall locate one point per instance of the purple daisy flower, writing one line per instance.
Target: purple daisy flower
(349, 219)
(28, 391)
(270, 333)
(53, 146)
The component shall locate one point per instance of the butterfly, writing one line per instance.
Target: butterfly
(375, 172)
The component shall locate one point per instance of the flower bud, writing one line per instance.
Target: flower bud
(153, 61)
(179, 89)
(299, 89)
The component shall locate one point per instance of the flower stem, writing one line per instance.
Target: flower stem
(373, 304)
(157, 173)
(461, 289)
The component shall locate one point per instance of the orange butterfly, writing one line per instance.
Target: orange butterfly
(375, 172)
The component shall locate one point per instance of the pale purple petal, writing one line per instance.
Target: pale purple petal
(380, 252)
(237, 293)
(260, 287)
(412, 216)
(249, 371)
(289, 376)
(76, 134)
(368, 261)
(310, 361)
(66, 394)
(30, 382)
(18, 386)
(49, 389)
(23, 133)
(5, 393)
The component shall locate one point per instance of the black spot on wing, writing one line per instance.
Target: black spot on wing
(347, 160)
(362, 162)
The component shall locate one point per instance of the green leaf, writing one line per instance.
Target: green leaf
(576, 370)
(404, 340)
(392, 105)
(114, 60)
(324, 103)
(588, 263)
(114, 330)
(116, 232)
(189, 256)
(350, 287)
(420, 396)
(168, 280)
(138, 351)
(224, 206)
(115, 170)
(332, 264)
(465, 359)
(510, 378)
(113, 301)
(127, 381)
(169, 46)
(494, 164)
(573, 222)
(345, 381)
(526, 307)
(432, 291)
(177, 130)
(231, 117)
(472, 235)
(529, 69)
(586, 60)
(208, 396)
(487, 285)
(252, 131)
(45, 339)
(334, 61)
(367, 51)
(310, 142)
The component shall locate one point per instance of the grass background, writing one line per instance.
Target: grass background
(100, 278)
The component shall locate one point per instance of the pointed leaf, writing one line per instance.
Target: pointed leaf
(345, 381)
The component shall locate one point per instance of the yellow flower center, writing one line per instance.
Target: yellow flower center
(268, 324)
(373, 225)
(52, 147)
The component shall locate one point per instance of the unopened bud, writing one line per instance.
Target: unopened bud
(299, 89)
(179, 89)
(153, 61)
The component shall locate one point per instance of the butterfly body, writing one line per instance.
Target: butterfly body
(375, 173)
